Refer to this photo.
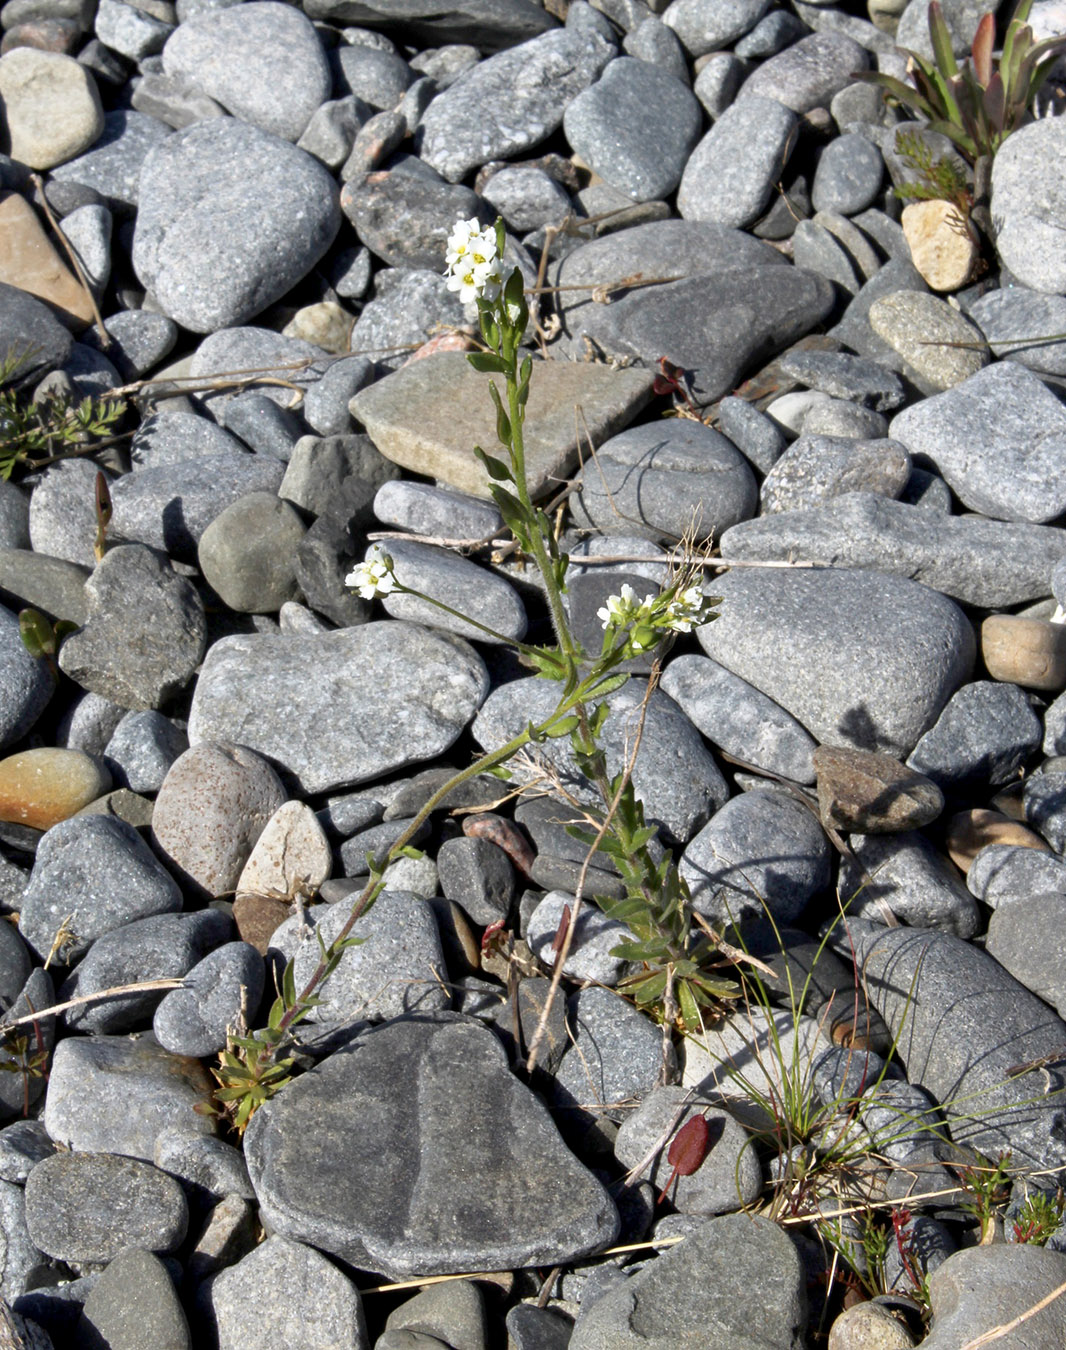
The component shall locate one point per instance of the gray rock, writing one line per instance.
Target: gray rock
(903, 1121)
(762, 852)
(334, 732)
(595, 936)
(635, 128)
(1028, 200)
(214, 252)
(160, 947)
(983, 738)
(89, 724)
(738, 1279)
(836, 417)
(89, 1206)
(509, 102)
(526, 197)
(807, 74)
(653, 42)
(420, 1222)
(754, 434)
(214, 804)
(905, 872)
(854, 330)
(100, 870)
(22, 1146)
(88, 231)
(140, 340)
(707, 25)
(665, 478)
(848, 176)
(478, 875)
(615, 1059)
(169, 506)
(772, 34)
(26, 682)
(965, 1061)
(1019, 324)
(1003, 873)
(20, 1088)
(936, 348)
(396, 970)
(321, 1306)
(173, 99)
(271, 354)
(332, 128)
(379, 78)
(457, 582)
(729, 1177)
(134, 1302)
(717, 82)
(264, 63)
(846, 377)
(116, 1094)
(207, 1167)
(1044, 804)
(62, 514)
(113, 166)
(145, 632)
(453, 1311)
(142, 748)
(420, 508)
(170, 437)
(859, 658)
(19, 1256)
(193, 1020)
(816, 468)
(976, 1291)
(673, 773)
(325, 405)
(730, 176)
(34, 340)
(262, 424)
(130, 31)
(819, 250)
(1025, 937)
(990, 563)
(737, 718)
(14, 516)
(248, 553)
(405, 218)
(996, 438)
(400, 319)
(337, 476)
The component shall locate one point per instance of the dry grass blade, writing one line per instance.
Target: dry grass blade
(100, 996)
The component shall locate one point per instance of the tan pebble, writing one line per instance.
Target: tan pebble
(29, 261)
(942, 244)
(42, 787)
(292, 856)
(326, 325)
(258, 917)
(1029, 652)
(869, 1326)
(872, 793)
(970, 831)
(51, 105)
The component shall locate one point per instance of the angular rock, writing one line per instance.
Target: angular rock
(872, 793)
(336, 731)
(411, 1218)
(984, 736)
(135, 1299)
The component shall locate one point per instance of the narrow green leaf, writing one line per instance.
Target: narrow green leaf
(495, 468)
(488, 362)
(940, 37)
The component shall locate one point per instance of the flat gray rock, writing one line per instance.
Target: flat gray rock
(456, 582)
(673, 774)
(231, 218)
(533, 1204)
(405, 218)
(976, 1291)
(1029, 201)
(595, 936)
(707, 25)
(730, 176)
(1026, 938)
(737, 718)
(635, 128)
(113, 166)
(963, 1024)
(412, 693)
(808, 73)
(998, 438)
(1020, 325)
(264, 63)
(815, 468)
(492, 24)
(26, 682)
(615, 1056)
(993, 564)
(1003, 873)
(509, 102)
(904, 872)
(860, 659)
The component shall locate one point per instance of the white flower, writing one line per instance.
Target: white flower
(473, 267)
(372, 578)
(685, 610)
(620, 608)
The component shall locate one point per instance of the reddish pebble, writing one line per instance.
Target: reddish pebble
(504, 834)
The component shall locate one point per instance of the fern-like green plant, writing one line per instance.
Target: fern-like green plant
(32, 434)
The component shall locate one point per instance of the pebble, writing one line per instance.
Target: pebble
(731, 174)
(934, 342)
(594, 937)
(41, 787)
(984, 737)
(248, 553)
(615, 1057)
(52, 108)
(135, 1297)
(904, 875)
(872, 793)
(1028, 652)
(441, 575)
(816, 468)
(1028, 190)
(943, 247)
(1010, 321)
(112, 166)
(194, 1020)
(30, 260)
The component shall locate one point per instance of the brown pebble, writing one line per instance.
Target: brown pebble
(42, 787)
(504, 834)
(258, 917)
(970, 831)
(1029, 652)
(872, 793)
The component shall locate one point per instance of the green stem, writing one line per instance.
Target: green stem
(517, 646)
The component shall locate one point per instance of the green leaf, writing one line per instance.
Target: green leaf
(940, 37)
(490, 329)
(288, 984)
(606, 686)
(647, 990)
(653, 950)
(686, 1002)
(523, 381)
(488, 363)
(563, 728)
(547, 662)
(37, 634)
(495, 468)
(503, 422)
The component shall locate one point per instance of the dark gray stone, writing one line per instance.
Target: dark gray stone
(903, 1121)
(262, 424)
(635, 128)
(193, 1020)
(100, 869)
(22, 1146)
(762, 852)
(818, 249)
(332, 732)
(616, 1057)
(1020, 324)
(844, 376)
(1026, 938)
(673, 774)
(853, 329)
(406, 218)
(89, 1206)
(983, 738)
(170, 437)
(263, 62)
(378, 78)
(1003, 873)
(375, 841)
(848, 177)
(997, 438)
(859, 658)
(905, 872)
(14, 515)
(737, 718)
(976, 1291)
(20, 1088)
(478, 875)
(134, 1303)
(159, 947)
(142, 748)
(990, 563)
(964, 1060)
(730, 176)
(663, 479)
(737, 1280)
(400, 319)
(754, 434)
(208, 1168)
(325, 405)
(232, 218)
(26, 682)
(816, 468)
(145, 632)
(337, 476)
(509, 102)
(772, 34)
(113, 166)
(595, 937)
(20, 1256)
(462, 585)
(454, 1312)
(1044, 804)
(526, 197)
(534, 1203)
(248, 553)
(33, 338)
(324, 560)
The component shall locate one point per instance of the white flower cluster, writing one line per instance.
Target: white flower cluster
(648, 619)
(372, 578)
(473, 266)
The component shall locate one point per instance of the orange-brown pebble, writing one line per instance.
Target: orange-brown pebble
(1029, 652)
(257, 917)
(971, 831)
(42, 787)
(504, 834)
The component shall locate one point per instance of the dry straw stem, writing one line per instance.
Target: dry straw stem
(997, 1333)
(75, 262)
(100, 996)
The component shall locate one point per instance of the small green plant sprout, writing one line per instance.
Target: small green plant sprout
(1039, 1217)
(978, 106)
(675, 973)
(988, 1185)
(938, 179)
(42, 638)
(33, 435)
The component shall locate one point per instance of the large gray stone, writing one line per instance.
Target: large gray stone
(730, 176)
(403, 1207)
(815, 468)
(134, 1302)
(232, 218)
(458, 583)
(1029, 202)
(979, 1290)
(384, 695)
(492, 24)
(26, 682)
(807, 73)
(859, 658)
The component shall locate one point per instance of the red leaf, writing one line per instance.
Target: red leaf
(984, 39)
(562, 930)
(491, 932)
(687, 1150)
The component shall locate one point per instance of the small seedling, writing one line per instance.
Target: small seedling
(988, 1184)
(1039, 1217)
